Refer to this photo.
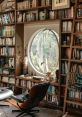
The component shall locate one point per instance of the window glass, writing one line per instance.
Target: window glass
(44, 51)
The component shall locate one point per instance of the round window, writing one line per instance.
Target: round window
(43, 51)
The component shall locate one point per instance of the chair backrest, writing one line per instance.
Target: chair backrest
(36, 94)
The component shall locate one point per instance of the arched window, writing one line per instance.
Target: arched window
(43, 51)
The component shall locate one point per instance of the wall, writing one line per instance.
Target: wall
(19, 48)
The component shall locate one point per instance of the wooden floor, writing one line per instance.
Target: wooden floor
(44, 112)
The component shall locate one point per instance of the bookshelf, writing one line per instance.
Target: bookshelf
(28, 11)
(7, 46)
(73, 98)
(66, 16)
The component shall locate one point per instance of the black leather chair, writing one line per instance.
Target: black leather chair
(31, 100)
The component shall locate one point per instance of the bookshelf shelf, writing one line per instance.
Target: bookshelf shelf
(62, 96)
(38, 21)
(74, 102)
(4, 56)
(6, 36)
(64, 59)
(79, 47)
(67, 19)
(7, 46)
(9, 24)
(29, 22)
(5, 12)
(78, 20)
(66, 32)
(63, 74)
(8, 83)
(63, 85)
(77, 33)
(65, 46)
(6, 75)
(22, 87)
(24, 78)
(34, 8)
(77, 61)
(79, 17)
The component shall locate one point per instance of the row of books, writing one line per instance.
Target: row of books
(75, 93)
(7, 31)
(10, 80)
(7, 85)
(74, 106)
(33, 3)
(7, 71)
(7, 51)
(35, 15)
(61, 14)
(24, 83)
(79, 26)
(52, 98)
(26, 4)
(67, 13)
(77, 54)
(67, 26)
(79, 12)
(78, 40)
(64, 67)
(7, 5)
(7, 41)
(76, 68)
(52, 90)
(27, 16)
(7, 62)
(11, 62)
(7, 18)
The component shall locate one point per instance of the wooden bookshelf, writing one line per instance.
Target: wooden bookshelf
(7, 47)
(72, 84)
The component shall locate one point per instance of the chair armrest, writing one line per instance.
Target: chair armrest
(20, 98)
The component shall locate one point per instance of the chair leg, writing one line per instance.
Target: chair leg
(16, 110)
(30, 112)
(20, 114)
